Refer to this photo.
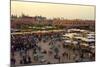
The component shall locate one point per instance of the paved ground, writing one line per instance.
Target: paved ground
(48, 57)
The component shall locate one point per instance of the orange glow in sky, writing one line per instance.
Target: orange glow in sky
(53, 10)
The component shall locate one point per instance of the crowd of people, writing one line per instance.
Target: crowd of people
(40, 49)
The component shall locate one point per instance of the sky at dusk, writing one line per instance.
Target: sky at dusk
(51, 10)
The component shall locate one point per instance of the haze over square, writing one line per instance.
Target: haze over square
(53, 10)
